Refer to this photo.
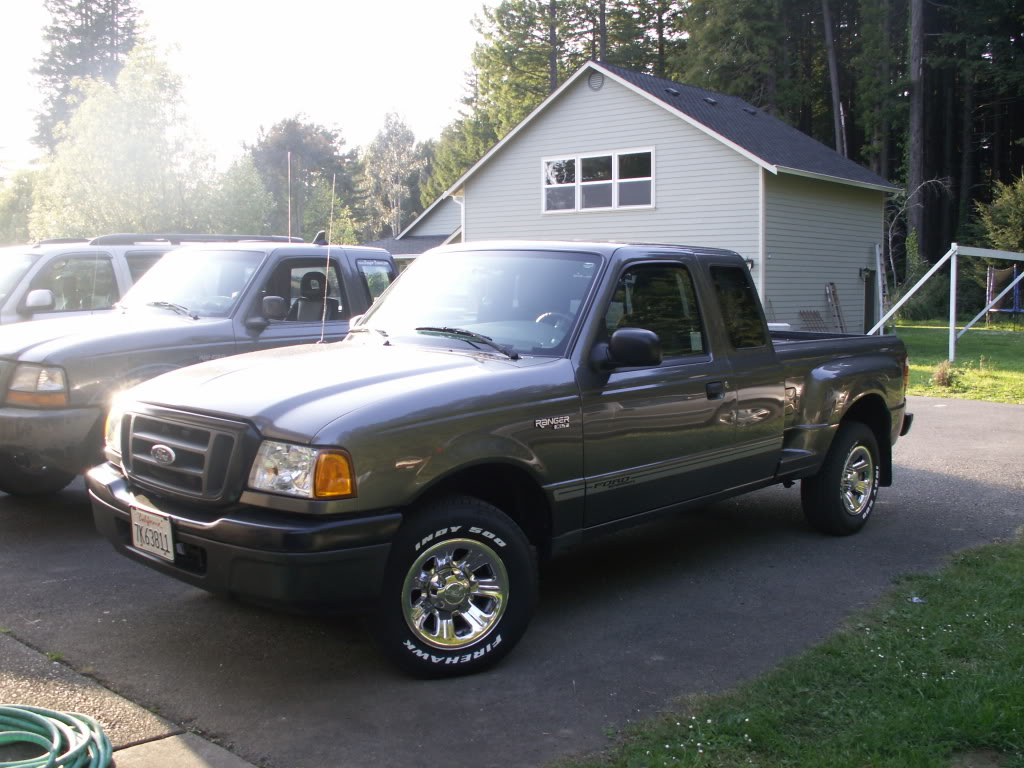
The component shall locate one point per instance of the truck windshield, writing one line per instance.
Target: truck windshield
(527, 302)
(198, 282)
(13, 266)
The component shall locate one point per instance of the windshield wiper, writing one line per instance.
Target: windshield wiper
(176, 307)
(365, 328)
(471, 336)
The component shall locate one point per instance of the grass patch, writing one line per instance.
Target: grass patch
(935, 671)
(989, 364)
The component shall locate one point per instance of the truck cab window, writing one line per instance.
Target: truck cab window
(659, 298)
(79, 283)
(739, 307)
(376, 275)
(307, 286)
(139, 262)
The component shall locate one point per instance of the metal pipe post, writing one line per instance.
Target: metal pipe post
(952, 304)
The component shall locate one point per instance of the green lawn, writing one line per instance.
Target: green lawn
(932, 676)
(989, 364)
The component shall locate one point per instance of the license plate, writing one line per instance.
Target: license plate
(151, 532)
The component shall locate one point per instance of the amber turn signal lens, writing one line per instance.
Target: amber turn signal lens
(333, 476)
(37, 399)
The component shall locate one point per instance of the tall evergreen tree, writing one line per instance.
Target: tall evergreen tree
(85, 39)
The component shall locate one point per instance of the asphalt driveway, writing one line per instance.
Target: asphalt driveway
(696, 603)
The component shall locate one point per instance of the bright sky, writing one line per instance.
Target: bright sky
(343, 63)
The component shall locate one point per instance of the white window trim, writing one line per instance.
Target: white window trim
(578, 184)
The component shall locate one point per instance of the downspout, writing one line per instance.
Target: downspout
(762, 253)
(461, 200)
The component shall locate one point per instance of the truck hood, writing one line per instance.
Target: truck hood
(293, 392)
(59, 340)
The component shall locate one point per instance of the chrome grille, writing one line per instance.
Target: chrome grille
(188, 457)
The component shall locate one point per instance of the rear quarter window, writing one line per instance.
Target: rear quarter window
(739, 307)
(377, 275)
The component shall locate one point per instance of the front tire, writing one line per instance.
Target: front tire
(24, 476)
(459, 591)
(840, 498)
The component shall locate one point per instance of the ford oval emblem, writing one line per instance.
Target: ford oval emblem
(162, 454)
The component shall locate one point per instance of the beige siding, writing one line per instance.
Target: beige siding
(818, 232)
(705, 192)
(443, 219)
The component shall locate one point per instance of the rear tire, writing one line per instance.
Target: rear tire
(24, 476)
(459, 591)
(840, 498)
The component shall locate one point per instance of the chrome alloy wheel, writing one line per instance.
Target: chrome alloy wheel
(857, 481)
(455, 593)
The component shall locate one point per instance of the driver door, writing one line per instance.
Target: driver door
(315, 300)
(655, 436)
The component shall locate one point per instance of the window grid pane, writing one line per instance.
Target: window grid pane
(596, 195)
(617, 180)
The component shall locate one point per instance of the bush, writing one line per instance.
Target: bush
(947, 375)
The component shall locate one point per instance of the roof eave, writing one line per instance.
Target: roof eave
(888, 188)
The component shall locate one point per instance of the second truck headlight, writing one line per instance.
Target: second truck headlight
(38, 386)
(297, 470)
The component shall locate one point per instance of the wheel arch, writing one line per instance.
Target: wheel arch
(509, 487)
(870, 409)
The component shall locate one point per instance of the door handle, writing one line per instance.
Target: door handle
(715, 390)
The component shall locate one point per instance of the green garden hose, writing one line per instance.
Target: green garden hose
(70, 740)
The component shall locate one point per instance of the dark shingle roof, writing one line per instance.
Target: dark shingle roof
(760, 134)
(409, 245)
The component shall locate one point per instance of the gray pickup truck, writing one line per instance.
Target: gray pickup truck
(501, 402)
(58, 377)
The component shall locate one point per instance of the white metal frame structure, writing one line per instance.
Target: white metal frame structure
(951, 256)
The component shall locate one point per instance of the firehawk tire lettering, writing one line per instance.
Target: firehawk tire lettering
(443, 551)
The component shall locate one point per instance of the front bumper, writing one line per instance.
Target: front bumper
(301, 562)
(68, 438)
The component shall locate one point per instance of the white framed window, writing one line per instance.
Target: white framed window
(598, 181)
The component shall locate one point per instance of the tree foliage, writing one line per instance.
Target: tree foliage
(1003, 219)
(125, 161)
(388, 163)
(240, 202)
(318, 155)
(16, 207)
(85, 39)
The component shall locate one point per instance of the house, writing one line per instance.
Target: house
(618, 155)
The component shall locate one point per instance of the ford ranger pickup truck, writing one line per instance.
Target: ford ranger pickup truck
(501, 403)
(197, 303)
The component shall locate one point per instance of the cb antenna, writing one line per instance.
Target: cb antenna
(289, 196)
(327, 266)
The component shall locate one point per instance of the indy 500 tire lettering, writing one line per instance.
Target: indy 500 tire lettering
(459, 591)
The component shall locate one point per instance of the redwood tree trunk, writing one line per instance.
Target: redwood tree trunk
(915, 177)
(833, 76)
(553, 43)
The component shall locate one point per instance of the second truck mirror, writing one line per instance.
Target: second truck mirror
(275, 308)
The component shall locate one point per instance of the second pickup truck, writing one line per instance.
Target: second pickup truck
(502, 401)
(57, 377)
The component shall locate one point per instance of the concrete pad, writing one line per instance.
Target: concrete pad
(27, 677)
(185, 751)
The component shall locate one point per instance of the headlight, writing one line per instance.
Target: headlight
(38, 386)
(297, 470)
(112, 428)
